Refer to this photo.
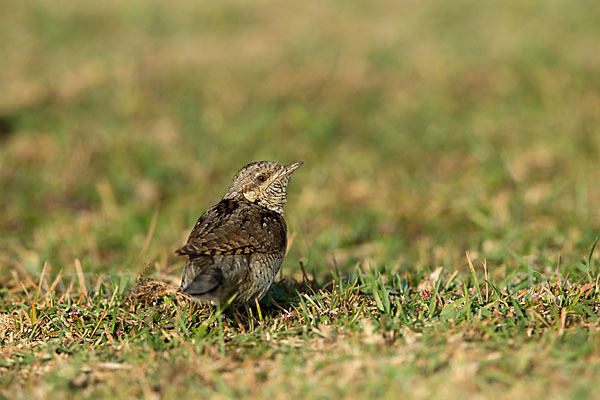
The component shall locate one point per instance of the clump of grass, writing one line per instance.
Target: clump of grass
(374, 312)
(149, 291)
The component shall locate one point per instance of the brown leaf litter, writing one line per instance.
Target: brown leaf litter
(150, 291)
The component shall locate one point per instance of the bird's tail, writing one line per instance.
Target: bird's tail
(199, 278)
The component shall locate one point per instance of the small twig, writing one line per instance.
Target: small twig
(236, 316)
(305, 278)
(276, 304)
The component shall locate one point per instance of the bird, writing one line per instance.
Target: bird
(237, 246)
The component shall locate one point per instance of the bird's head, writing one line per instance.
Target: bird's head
(263, 183)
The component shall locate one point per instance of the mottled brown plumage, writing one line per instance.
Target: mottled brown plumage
(237, 246)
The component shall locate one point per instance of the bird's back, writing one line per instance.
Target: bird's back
(235, 248)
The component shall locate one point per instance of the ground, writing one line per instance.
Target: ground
(442, 229)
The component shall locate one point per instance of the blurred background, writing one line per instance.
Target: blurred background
(427, 128)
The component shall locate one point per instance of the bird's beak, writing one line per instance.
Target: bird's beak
(292, 167)
(284, 174)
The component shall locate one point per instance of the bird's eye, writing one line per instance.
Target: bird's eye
(261, 178)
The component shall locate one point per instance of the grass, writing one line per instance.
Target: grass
(444, 223)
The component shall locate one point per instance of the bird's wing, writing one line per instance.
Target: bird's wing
(236, 227)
